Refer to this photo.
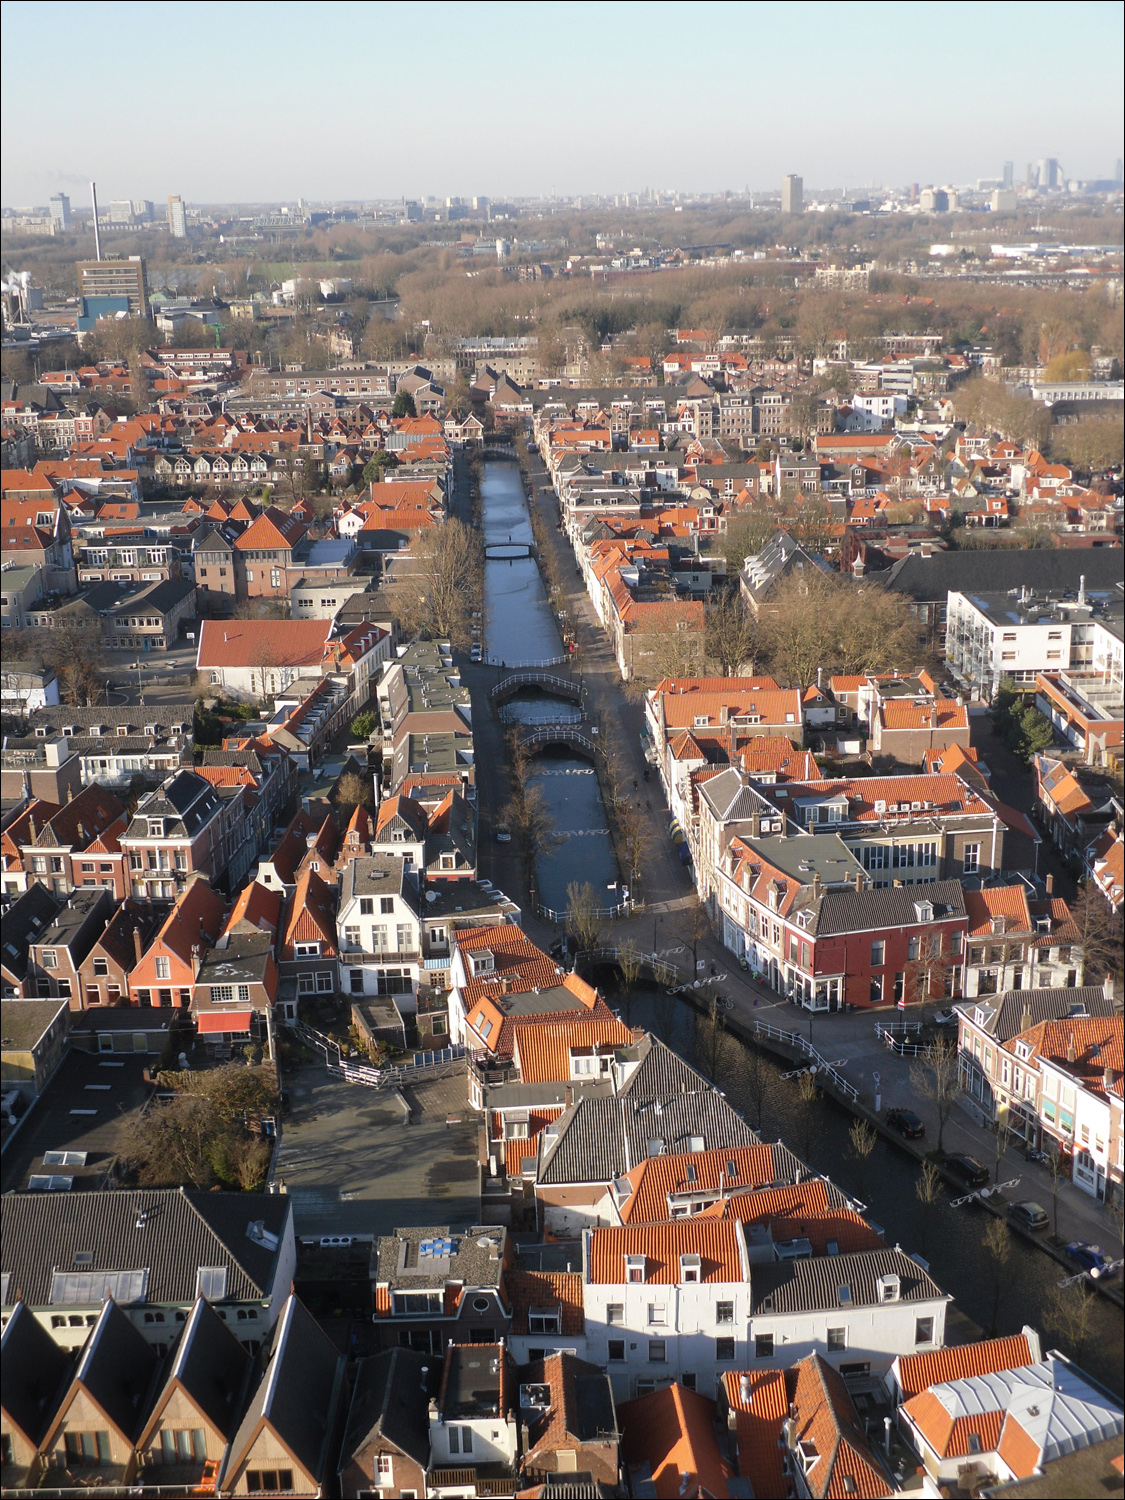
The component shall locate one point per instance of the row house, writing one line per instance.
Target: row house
(238, 983)
(434, 1286)
(58, 952)
(65, 1254)
(178, 832)
(985, 1027)
(1016, 943)
(166, 972)
(127, 559)
(1080, 1096)
(65, 848)
(308, 957)
(912, 829)
(378, 927)
(803, 914)
(1077, 805)
(264, 551)
(114, 744)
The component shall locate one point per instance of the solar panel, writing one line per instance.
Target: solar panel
(64, 1158)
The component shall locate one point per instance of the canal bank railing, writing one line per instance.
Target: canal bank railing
(799, 1043)
(901, 1037)
(602, 913)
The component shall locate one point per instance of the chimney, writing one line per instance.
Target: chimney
(1107, 1079)
(1050, 885)
(568, 1094)
(859, 880)
(31, 828)
(1107, 986)
(816, 885)
(933, 716)
(1071, 1050)
(70, 794)
(1025, 1019)
(138, 946)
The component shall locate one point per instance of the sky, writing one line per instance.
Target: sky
(234, 102)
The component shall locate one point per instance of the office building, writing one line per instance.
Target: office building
(1009, 173)
(177, 219)
(792, 194)
(1050, 175)
(115, 279)
(60, 212)
(934, 201)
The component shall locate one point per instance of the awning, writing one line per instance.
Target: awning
(214, 1021)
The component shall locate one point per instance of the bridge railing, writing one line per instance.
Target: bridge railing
(800, 1043)
(543, 661)
(602, 913)
(663, 973)
(563, 685)
(560, 734)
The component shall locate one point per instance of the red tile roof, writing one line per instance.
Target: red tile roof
(671, 1432)
(717, 1242)
(759, 1419)
(917, 1372)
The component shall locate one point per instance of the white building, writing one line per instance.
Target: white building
(1016, 635)
(379, 930)
(858, 1311)
(666, 1302)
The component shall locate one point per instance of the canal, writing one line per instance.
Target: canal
(520, 629)
(951, 1239)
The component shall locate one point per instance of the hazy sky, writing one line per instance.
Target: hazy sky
(247, 102)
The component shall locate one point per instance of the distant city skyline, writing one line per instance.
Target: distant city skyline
(350, 101)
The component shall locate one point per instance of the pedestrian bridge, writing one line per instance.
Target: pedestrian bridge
(549, 682)
(508, 551)
(582, 737)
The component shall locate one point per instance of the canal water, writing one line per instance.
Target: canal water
(951, 1239)
(520, 629)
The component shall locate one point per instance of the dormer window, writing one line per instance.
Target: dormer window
(635, 1268)
(691, 1268)
(156, 828)
(889, 1288)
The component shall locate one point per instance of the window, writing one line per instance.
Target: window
(724, 1312)
(101, 968)
(970, 859)
(366, 906)
(763, 1346)
(878, 954)
(49, 958)
(615, 1313)
(724, 1350)
(269, 1481)
(84, 1448)
(182, 1447)
(923, 1330)
(384, 1470)
(913, 949)
(657, 1313)
(386, 905)
(163, 968)
(837, 1339)
(657, 1352)
(460, 1440)
(615, 1350)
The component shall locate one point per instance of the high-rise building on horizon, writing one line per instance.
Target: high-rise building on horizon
(1009, 173)
(60, 211)
(792, 194)
(1049, 174)
(177, 219)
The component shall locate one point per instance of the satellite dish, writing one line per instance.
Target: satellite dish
(431, 895)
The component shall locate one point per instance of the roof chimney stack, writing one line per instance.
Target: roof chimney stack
(138, 945)
(1050, 885)
(1107, 986)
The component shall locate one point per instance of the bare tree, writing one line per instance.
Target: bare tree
(862, 1137)
(444, 584)
(806, 1092)
(732, 639)
(1099, 935)
(756, 1075)
(710, 1037)
(1058, 1172)
(629, 964)
(583, 920)
(1069, 1313)
(927, 1190)
(998, 1247)
(1001, 1141)
(937, 1077)
(354, 790)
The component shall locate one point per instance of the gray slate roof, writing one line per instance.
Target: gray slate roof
(34, 1373)
(212, 1366)
(390, 1406)
(880, 910)
(118, 1367)
(1059, 568)
(24, 922)
(183, 1230)
(1003, 1015)
(815, 1285)
(298, 1393)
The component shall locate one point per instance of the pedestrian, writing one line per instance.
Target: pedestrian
(636, 784)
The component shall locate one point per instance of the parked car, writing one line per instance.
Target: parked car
(906, 1122)
(475, 653)
(503, 833)
(946, 1017)
(1091, 1258)
(968, 1169)
(1029, 1215)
